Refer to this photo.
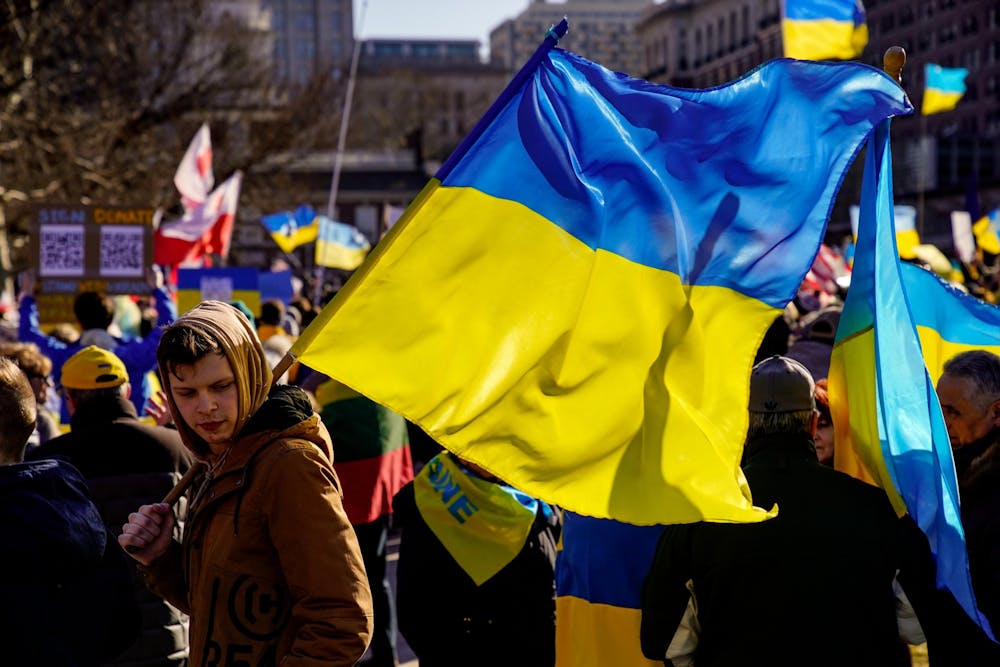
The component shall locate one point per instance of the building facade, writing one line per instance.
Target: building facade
(425, 94)
(703, 43)
(936, 157)
(310, 36)
(600, 30)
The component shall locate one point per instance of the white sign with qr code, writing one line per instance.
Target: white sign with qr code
(122, 251)
(61, 250)
(219, 288)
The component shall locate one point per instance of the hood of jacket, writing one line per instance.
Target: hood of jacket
(48, 519)
(239, 342)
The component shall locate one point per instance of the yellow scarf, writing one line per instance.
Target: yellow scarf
(482, 524)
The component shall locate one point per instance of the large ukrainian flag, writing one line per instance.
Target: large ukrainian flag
(943, 88)
(887, 419)
(575, 301)
(824, 29)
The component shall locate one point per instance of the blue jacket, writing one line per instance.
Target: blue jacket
(138, 355)
(65, 585)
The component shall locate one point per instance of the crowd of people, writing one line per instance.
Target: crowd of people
(171, 502)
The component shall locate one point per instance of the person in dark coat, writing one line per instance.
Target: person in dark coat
(65, 585)
(475, 577)
(812, 586)
(126, 463)
(969, 392)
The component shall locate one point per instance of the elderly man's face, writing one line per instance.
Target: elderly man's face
(964, 414)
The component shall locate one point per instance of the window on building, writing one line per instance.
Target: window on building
(302, 21)
(305, 49)
(682, 54)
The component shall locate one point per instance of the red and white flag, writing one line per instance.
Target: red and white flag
(206, 229)
(194, 179)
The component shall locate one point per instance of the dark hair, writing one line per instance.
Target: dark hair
(17, 410)
(94, 310)
(271, 312)
(182, 345)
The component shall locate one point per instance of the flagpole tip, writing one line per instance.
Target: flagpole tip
(893, 61)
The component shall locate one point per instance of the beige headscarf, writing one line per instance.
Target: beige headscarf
(227, 326)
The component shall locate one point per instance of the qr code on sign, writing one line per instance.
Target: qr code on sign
(60, 250)
(121, 252)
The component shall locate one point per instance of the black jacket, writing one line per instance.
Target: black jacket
(812, 586)
(448, 621)
(64, 582)
(952, 638)
(127, 464)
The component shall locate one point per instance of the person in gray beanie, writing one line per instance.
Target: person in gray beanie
(812, 586)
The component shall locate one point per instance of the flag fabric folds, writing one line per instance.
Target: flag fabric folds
(824, 29)
(340, 246)
(948, 320)
(194, 178)
(204, 230)
(599, 575)
(291, 229)
(943, 88)
(887, 419)
(905, 224)
(585, 282)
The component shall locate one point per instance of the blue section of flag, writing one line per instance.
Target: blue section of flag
(705, 162)
(341, 234)
(956, 316)
(818, 10)
(239, 278)
(604, 561)
(279, 223)
(945, 79)
(275, 285)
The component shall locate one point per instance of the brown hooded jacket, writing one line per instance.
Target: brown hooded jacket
(269, 568)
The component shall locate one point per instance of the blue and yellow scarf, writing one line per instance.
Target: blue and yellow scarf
(482, 524)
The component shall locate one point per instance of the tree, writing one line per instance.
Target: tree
(101, 97)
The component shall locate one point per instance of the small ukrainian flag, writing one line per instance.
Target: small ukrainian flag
(824, 29)
(291, 229)
(943, 88)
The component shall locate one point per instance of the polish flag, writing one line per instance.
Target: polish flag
(194, 179)
(206, 229)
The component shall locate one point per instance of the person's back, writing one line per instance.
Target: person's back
(65, 586)
(812, 586)
(125, 463)
(450, 613)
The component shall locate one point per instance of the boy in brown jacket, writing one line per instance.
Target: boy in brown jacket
(269, 567)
